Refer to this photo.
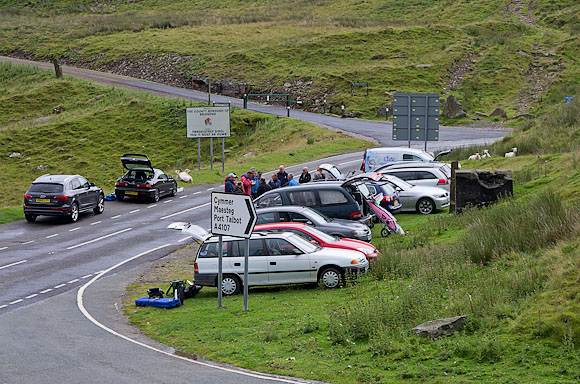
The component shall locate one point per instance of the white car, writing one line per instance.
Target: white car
(274, 258)
(421, 176)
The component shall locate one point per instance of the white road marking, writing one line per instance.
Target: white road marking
(28, 242)
(114, 217)
(48, 237)
(100, 238)
(195, 193)
(167, 201)
(185, 238)
(151, 206)
(135, 210)
(86, 276)
(96, 222)
(46, 290)
(210, 189)
(86, 313)
(59, 286)
(186, 210)
(348, 162)
(12, 264)
(3, 248)
(3, 306)
(73, 281)
(16, 301)
(74, 229)
(31, 296)
(96, 273)
(181, 197)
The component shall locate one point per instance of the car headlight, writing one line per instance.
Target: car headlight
(442, 196)
(366, 251)
(359, 232)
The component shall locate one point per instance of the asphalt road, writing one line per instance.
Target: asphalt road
(48, 337)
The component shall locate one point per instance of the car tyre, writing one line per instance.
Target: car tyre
(231, 285)
(74, 213)
(30, 218)
(156, 196)
(425, 206)
(100, 205)
(331, 278)
(174, 190)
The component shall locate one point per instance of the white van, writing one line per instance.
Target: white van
(377, 157)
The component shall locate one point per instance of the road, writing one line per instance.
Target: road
(52, 331)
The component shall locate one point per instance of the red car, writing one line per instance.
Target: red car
(320, 238)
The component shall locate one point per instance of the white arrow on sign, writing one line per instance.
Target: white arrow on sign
(232, 215)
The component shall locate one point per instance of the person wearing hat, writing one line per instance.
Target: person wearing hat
(230, 183)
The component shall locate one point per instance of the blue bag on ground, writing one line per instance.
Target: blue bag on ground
(158, 302)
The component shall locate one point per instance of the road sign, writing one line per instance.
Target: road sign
(232, 215)
(208, 122)
(416, 117)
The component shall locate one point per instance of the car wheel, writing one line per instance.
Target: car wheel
(100, 205)
(231, 285)
(74, 213)
(331, 278)
(30, 218)
(425, 206)
(174, 190)
(156, 196)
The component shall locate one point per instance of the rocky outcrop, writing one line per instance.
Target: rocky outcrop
(498, 112)
(453, 108)
(439, 327)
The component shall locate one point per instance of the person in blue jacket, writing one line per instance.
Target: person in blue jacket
(274, 182)
(291, 180)
(230, 183)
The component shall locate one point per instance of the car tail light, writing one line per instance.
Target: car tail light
(120, 184)
(61, 197)
(27, 196)
(146, 185)
(387, 198)
(443, 181)
(355, 215)
(362, 167)
(195, 268)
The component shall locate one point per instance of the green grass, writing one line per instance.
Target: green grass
(99, 124)
(331, 43)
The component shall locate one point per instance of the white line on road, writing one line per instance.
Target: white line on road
(181, 197)
(74, 229)
(86, 313)
(195, 193)
(151, 206)
(59, 286)
(73, 281)
(348, 162)
(3, 248)
(210, 189)
(86, 276)
(167, 201)
(186, 210)
(28, 242)
(185, 238)
(114, 217)
(15, 263)
(3, 306)
(31, 296)
(135, 210)
(48, 237)
(96, 222)
(16, 301)
(100, 238)
(46, 290)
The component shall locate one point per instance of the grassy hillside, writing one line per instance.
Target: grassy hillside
(99, 124)
(520, 56)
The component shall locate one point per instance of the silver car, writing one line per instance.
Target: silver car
(443, 167)
(414, 198)
(421, 176)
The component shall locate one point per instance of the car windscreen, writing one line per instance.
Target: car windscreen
(401, 183)
(321, 218)
(388, 190)
(303, 244)
(45, 188)
(139, 175)
(321, 235)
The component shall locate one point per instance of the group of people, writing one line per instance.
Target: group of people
(253, 184)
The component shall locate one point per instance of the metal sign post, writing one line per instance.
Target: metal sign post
(220, 268)
(211, 152)
(233, 215)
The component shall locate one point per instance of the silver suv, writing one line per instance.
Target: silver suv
(274, 258)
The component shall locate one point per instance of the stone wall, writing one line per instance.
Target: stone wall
(481, 187)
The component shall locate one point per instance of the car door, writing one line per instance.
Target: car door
(426, 179)
(162, 184)
(304, 199)
(257, 266)
(335, 203)
(287, 264)
(91, 193)
(79, 192)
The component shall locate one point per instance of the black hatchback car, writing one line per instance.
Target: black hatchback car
(62, 195)
(142, 180)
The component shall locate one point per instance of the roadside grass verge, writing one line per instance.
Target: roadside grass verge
(98, 125)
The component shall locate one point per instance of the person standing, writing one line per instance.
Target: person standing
(274, 182)
(282, 176)
(291, 180)
(247, 183)
(230, 183)
(305, 176)
(238, 189)
(255, 182)
(263, 187)
(318, 175)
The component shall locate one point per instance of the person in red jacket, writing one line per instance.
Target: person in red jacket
(247, 182)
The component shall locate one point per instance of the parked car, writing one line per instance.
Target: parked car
(387, 196)
(333, 199)
(142, 181)
(62, 195)
(296, 214)
(427, 177)
(317, 237)
(274, 259)
(376, 157)
(424, 200)
(443, 167)
(331, 172)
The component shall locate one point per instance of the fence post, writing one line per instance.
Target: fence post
(324, 107)
(342, 111)
(454, 166)
(245, 101)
